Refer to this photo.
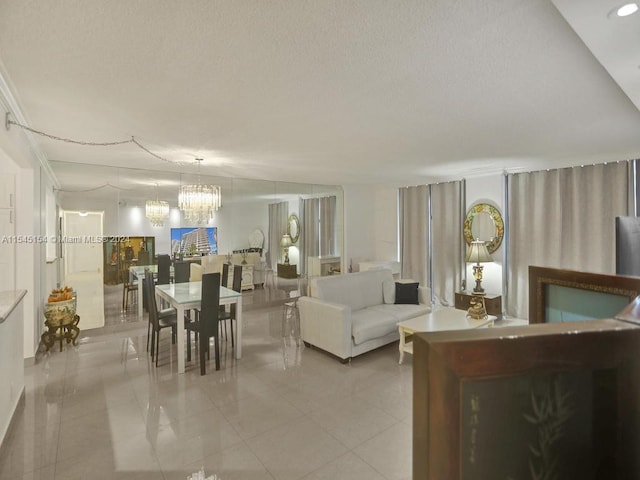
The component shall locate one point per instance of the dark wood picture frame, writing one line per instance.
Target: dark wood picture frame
(447, 363)
(541, 277)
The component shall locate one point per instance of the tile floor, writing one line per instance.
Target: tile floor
(101, 410)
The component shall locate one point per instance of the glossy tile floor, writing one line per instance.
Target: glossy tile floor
(102, 410)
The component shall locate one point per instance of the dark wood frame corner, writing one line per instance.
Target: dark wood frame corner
(444, 361)
(540, 277)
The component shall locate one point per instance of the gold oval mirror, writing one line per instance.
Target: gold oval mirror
(484, 222)
(293, 227)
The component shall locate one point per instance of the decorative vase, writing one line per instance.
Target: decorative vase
(60, 313)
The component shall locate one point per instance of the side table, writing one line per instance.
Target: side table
(287, 271)
(492, 302)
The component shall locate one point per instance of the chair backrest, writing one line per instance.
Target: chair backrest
(225, 275)
(149, 291)
(164, 268)
(143, 258)
(181, 271)
(209, 304)
(237, 278)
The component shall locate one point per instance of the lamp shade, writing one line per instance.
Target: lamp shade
(478, 253)
(285, 242)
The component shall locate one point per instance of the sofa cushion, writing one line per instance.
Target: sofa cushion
(357, 290)
(407, 293)
(389, 291)
(370, 323)
(400, 313)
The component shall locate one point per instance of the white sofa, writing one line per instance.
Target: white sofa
(346, 315)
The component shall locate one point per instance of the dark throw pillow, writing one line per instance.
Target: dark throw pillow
(407, 293)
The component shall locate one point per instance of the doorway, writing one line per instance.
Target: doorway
(82, 265)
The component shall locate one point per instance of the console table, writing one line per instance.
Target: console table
(492, 302)
(286, 270)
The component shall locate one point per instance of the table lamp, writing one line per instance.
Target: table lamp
(478, 254)
(285, 243)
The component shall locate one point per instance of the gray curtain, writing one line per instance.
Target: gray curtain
(447, 266)
(318, 225)
(414, 233)
(278, 218)
(634, 188)
(563, 219)
(327, 223)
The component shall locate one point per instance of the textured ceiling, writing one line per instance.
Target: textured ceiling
(325, 91)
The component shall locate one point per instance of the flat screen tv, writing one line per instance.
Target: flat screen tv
(194, 241)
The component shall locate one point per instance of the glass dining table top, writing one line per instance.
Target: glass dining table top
(191, 292)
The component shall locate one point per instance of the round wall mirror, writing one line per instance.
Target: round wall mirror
(293, 227)
(484, 222)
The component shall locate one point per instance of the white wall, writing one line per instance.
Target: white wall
(19, 158)
(487, 189)
(370, 224)
(28, 263)
(235, 221)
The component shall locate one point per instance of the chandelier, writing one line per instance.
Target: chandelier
(198, 202)
(157, 211)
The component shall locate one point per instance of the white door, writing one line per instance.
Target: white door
(83, 252)
(82, 247)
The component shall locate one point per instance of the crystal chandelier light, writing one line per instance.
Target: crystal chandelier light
(157, 211)
(198, 202)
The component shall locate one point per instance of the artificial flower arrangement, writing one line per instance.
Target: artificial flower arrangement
(61, 294)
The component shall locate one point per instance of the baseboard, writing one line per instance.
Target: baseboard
(19, 406)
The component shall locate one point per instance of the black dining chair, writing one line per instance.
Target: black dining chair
(206, 324)
(225, 274)
(158, 320)
(224, 281)
(143, 258)
(127, 288)
(164, 269)
(231, 314)
(181, 271)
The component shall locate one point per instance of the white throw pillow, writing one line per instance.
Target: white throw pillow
(389, 292)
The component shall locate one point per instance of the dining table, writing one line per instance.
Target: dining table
(136, 274)
(186, 296)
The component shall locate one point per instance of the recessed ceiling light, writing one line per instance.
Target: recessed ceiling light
(628, 9)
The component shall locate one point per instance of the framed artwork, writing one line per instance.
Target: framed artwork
(192, 241)
(524, 403)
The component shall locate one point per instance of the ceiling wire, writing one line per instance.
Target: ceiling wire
(93, 189)
(9, 121)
